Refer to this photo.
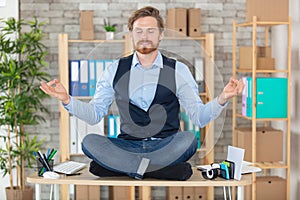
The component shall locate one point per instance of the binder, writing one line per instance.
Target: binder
(177, 21)
(83, 78)
(74, 77)
(197, 134)
(99, 69)
(118, 125)
(188, 193)
(174, 193)
(73, 134)
(194, 22)
(199, 73)
(271, 97)
(111, 126)
(249, 97)
(81, 133)
(98, 128)
(79, 129)
(92, 77)
(244, 97)
(107, 63)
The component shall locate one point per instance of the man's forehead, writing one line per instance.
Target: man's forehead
(146, 22)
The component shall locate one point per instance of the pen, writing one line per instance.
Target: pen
(48, 153)
(43, 161)
(73, 174)
(51, 155)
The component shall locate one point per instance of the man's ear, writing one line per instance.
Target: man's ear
(162, 35)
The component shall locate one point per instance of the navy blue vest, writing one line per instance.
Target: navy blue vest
(162, 118)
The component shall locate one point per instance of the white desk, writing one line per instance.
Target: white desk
(87, 178)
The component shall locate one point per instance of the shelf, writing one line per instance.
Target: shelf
(261, 23)
(120, 41)
(184, 38)
(261, 119)
(253, 25)
(271, 165)
(95, 41)
(261, 71)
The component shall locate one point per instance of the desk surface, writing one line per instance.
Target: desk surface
(87, 178)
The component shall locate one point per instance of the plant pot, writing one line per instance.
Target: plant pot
(110, 35)
(18, 194)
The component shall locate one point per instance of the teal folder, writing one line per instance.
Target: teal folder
(271, 98)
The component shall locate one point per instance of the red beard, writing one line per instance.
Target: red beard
(145, 50)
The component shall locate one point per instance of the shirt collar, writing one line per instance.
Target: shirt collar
(158, 62)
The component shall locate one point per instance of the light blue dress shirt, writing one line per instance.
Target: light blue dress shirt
(142, 88)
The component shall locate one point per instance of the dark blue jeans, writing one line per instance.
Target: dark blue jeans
(125, 156)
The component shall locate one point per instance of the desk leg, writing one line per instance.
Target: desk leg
(56, 192)
(145, 193)
(37, 191)
(240, 192)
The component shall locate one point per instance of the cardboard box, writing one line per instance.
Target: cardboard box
(264, 58)
(270, 187)
(188, 193)
(87, 192)
(81, 192)
(264, 63)
(200, 193)
(194, 22)
(267, 187)
(119, 192)
(94, 192)
(174, 193)
(177, 21)
(87, 25)
(267, 10)
(269, 143)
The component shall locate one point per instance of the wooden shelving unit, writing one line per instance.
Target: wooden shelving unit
(63, 55)
(266, 166)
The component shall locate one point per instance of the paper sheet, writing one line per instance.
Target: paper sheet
(236, 155)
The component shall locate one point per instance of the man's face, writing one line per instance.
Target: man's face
(146, 35)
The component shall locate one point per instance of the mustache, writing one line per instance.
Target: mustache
(142, 41)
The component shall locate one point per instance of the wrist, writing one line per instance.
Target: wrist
(67, 100)
(222, 99)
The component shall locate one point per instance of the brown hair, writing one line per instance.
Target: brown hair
(147, 11)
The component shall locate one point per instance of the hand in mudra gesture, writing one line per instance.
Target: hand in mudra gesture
(232, 89)
(55, 89)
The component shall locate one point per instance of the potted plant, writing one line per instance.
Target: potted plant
(21, 70)
(110, 29)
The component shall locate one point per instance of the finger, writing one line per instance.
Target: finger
(241, 86)
(46, 88)
(52, 82)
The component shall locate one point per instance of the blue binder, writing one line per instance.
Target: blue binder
(92, 77)
(84, 78)
(99, 64)
(111, 124)
(107, 63)
(74, 77)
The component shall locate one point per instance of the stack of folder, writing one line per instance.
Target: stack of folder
(271, 97)
(190, 127)
(84, 75)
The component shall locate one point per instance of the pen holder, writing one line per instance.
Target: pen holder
(41, 169)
